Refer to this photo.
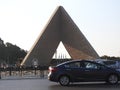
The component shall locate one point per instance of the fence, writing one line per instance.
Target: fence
(22, 73)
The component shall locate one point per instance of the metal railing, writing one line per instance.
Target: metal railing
(23, 73)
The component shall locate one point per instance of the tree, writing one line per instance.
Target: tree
(110, 58)
(2, 50)
(10, 53)
(13, 53)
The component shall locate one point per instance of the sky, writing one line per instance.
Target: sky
(21, 21)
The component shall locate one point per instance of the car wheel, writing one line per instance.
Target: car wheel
(64, 80)
(112, 79)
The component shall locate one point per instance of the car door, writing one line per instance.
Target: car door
(75, 70)
(93, 71)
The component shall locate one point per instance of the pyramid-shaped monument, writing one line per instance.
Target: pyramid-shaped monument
(60, 27)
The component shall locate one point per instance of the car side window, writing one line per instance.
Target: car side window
(90, 65)
(73, 65)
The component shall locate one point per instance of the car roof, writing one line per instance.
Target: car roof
(75, 61)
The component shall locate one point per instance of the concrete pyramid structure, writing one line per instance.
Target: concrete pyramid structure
(60, 27)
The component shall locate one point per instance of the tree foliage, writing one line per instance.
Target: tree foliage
(110, 57)
(10, 53)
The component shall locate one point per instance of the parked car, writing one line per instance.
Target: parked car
(82, 71)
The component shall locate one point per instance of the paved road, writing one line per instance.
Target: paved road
(44, 84)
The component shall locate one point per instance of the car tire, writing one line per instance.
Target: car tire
(113, 79)
(64, 80)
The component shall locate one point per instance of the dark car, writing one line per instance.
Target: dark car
(82, 71)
